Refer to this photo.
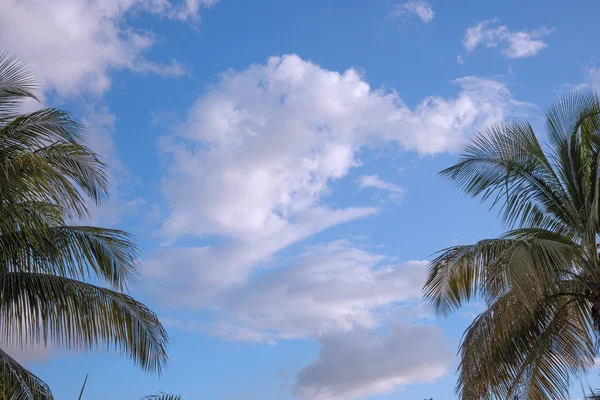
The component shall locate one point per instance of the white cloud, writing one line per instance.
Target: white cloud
(419, 8)
(174, 69)
(333, 286)
(339, 293)
(260, 148)
(469, 315)
(591, 82)
(459, 60)
(513, 44)
(593, 78)
(72, 44)
(191, 276)
(254, 161)
(364, 362)
(395, 192)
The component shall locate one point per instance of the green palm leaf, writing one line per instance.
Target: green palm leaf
(37, 308)
(41, 159)
(16, 84)
(47, 176)
(541, 280)
(71, 251)
(17, 383)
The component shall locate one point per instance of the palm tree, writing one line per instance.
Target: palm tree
(541, 279)
(46, 175)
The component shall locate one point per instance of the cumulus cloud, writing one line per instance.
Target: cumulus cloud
(365, 362)
(395, 192)
(459, 60)
(419, 8)
(73, 44)
(513, 44)
(255, 159)
(260, 148)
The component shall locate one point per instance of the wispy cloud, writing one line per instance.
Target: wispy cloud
(395, 192)
(590, 82)
(420, 8)
(173, 69)
(513, 44)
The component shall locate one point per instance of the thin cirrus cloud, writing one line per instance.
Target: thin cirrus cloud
(591, 82)
(419, 8)
(394, 192)
(491, 34)
(592, 76)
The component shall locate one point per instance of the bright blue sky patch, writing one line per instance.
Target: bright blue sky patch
(278, 163)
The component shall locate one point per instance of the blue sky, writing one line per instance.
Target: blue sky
(277, 161)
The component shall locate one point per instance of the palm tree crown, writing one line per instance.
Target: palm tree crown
(46, 175)
(541, 279)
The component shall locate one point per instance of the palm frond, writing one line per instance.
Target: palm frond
(16, 83)
(510, 353)
(42, 158)
(47, 175)
(38, 308)
(80, 164)
(594, 395)
(38, 129)
(506, 163)
(71, 251)
(17, 383)
(491, 267)
(161, 396)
